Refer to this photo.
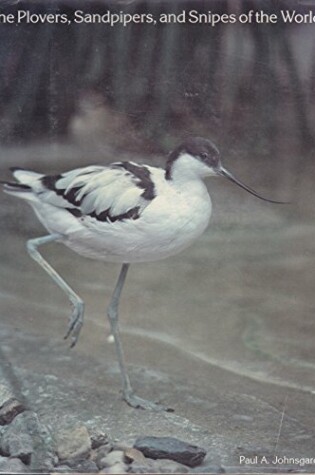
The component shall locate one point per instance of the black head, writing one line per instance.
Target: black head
(198, 147)
(207, 153)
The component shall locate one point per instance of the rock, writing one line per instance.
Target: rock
(149, 467)
(170, 448)
(158, 466)
(18, 445)
(63, 469)
(134, 455)
(120, 446)
(27, 438)
(113, 458)
(169, 466)
(85, 466)
(73, 443)
(117, 468)
(12, 465)
(98, 438)
(10, 410)
(10, 407)
(100, 453)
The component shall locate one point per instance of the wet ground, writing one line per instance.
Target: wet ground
(222, 333)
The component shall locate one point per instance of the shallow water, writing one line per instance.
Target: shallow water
(223, 331)
(243, 303)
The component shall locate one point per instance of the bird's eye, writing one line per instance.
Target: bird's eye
(204, 155)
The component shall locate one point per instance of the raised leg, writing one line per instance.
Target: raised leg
(112, 313)
(76, 318)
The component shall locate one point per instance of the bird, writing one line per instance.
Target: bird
(126, 213)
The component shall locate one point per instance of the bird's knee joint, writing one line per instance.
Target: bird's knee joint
(79, 305)
(112, 313)
(31, 248)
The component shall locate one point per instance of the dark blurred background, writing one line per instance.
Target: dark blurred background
(141, 88)
(245, 81)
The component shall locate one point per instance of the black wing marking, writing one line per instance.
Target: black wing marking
(143, 178)
(107, 194)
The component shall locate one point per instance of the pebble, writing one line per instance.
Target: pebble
(172, 449)
(9, 410)
(63, 469)
(134, 455)
(98, 438)
(12, 465)
(117, 468)
(139, 468)
(100, 453)
(158, 466)
(29, 446)
(17, 445)
(73, 443)
(23, 434)
(169, 466)
(10, 407)
(86, 466)
(113, 458)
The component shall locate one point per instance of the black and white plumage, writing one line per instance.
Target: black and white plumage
(124, 213)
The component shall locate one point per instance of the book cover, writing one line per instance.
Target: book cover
(216, 319)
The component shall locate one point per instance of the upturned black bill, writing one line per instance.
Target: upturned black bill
(230, 177)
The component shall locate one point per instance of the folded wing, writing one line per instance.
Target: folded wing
(106, 194)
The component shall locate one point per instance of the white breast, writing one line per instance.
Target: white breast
(169, 224)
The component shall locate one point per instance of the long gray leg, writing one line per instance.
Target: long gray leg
(112, 313)
(76, 318)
